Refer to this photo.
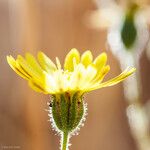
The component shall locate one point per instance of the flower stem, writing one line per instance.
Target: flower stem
(65, 141)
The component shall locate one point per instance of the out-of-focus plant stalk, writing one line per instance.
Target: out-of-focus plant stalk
(137, 116)
(136, 112)
(127, 36)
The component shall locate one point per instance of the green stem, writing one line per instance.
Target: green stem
(65, 141)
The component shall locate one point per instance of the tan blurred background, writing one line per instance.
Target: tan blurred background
(56, 26)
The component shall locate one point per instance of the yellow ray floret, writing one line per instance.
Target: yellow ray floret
(80, 73)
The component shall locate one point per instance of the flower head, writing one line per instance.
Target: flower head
(79, 74)
(66, 84)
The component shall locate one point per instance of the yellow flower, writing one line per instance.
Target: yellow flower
(77, 75)
(67, 84)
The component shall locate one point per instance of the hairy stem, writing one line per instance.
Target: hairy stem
(65, 141)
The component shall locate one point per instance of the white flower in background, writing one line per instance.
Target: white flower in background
(128, 35)
(127, 24)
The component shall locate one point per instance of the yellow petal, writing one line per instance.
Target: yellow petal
(100, 61)
(13, 64)
(38, 76)
(46, 63)
(58, 63)
(28, 68)
(33, 63)
(115, 80)
(86, 58)
(72, 56)
(102, 73)
(36, 87)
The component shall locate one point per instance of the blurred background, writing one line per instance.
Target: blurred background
(118, 118)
